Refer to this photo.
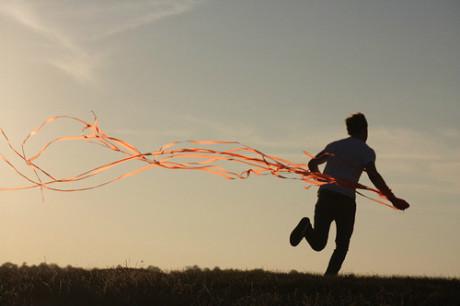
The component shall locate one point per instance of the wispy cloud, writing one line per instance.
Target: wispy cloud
(71, 29)
(424, 162)
(136, 14)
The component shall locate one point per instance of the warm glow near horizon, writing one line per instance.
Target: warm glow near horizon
(280, 77)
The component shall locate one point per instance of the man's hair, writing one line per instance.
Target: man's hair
(356, 123)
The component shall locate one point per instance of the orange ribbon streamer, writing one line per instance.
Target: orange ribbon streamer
(168, 157)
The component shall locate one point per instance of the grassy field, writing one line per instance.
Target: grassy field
(52, 285)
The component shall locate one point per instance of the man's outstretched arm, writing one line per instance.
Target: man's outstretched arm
(379, 182)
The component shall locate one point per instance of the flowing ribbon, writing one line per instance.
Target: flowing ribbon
(170, 157)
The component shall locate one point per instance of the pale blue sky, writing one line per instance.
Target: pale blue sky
(279, 76)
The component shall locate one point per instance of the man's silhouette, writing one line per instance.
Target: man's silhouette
(346, 159)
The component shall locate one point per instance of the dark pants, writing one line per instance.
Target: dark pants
(332, 206)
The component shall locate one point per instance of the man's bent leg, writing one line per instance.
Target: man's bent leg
(318, 234)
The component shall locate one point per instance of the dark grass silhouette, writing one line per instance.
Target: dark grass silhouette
(52, 285)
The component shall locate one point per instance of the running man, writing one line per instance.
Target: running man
(347, 159)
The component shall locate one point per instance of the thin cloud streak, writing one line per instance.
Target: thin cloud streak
(65, 27)
(71, 58)
(161, 9)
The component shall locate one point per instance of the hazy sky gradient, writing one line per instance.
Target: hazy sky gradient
(279, 76)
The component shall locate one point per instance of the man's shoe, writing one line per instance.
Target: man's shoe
(299, 232)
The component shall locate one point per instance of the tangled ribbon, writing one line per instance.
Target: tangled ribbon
(168, 157)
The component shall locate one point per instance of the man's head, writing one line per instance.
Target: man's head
(357, 126)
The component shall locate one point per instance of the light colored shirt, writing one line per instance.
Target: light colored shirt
(350, 156)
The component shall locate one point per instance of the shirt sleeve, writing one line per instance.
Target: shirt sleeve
(370, 157)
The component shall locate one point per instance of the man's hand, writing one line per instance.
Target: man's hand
(378, 182)
(400, 203)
